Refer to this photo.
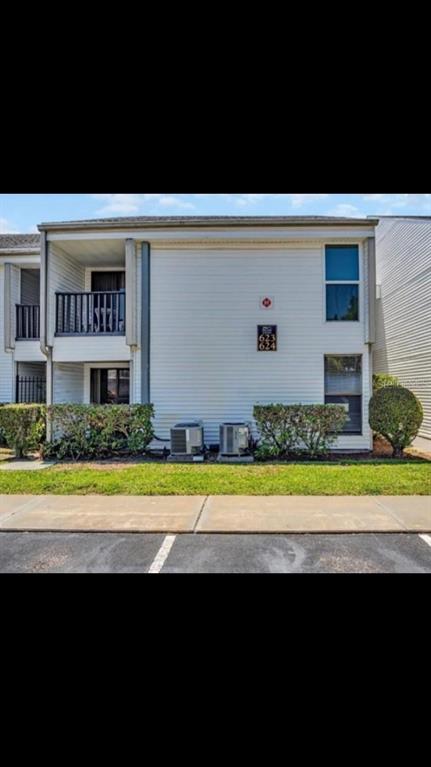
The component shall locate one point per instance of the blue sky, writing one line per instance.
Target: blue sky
(22, 212)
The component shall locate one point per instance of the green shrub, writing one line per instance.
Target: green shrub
(384, 379)
(23, 427)
(99, 431)
(291, 429)
(319, 427)
(277, 430)
(396, 414)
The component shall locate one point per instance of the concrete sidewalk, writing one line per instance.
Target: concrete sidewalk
(216, 514)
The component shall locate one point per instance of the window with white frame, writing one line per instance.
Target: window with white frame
(343, 386)
(342, 283)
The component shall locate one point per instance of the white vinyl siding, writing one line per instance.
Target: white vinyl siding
(204, 317)
(28, 351)
(68, 383)
(90, 348)
(403, 343)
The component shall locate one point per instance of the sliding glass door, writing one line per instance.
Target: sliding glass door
(110, 386)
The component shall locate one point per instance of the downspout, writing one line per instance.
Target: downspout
(46, 350)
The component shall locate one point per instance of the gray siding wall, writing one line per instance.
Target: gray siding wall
(403, 343)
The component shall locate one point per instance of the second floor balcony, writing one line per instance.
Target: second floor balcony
(91, 313)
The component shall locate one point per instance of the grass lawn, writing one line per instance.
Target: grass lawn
(385, 477)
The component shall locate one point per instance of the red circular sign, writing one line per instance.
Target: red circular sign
(266, 303)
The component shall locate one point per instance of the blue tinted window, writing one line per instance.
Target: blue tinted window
(342, 302)
(342, 262)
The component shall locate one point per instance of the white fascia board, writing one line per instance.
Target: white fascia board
(202, 234)
(29, 261)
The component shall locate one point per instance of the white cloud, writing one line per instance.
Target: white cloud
(175, 202)
(295, 200)
(6, 227)
(136, 203)
(346, 210)
(298, 200)
(119, 203)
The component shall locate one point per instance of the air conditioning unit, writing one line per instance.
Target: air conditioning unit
(187, 441)
(234, 439)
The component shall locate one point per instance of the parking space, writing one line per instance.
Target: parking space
(359, 553)
(77, 552)
(22, 552)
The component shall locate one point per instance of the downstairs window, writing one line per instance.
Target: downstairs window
(343, 386)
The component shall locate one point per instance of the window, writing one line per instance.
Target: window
(106, 281)
(343, 386)
(342, 283)
(110, 386)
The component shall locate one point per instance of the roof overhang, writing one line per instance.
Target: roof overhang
(202, 222)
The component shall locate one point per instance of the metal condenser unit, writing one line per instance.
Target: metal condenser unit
(234, 439)
(187, 439)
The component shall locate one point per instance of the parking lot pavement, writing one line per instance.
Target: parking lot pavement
(78, 552)
(359, 553)
(22, 552)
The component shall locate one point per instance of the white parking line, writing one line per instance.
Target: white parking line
(162, 554)
(426, 538)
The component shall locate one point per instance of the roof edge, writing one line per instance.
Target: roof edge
(204, 222)
(19, 251)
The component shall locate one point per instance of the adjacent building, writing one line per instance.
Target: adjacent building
(203, 316)
(22, 363)
(403, 343)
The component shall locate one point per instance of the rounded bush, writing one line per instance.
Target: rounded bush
(396, 414)
(384, 379)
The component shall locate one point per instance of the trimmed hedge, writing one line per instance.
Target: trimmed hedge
(23, 427)
(291, 429)
(384, 379)
(396, 414)
(99, 431)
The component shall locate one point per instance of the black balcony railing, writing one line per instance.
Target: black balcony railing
(30, 389)
(100, 313)
(27, 321)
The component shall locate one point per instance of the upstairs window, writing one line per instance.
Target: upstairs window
(342, 283)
